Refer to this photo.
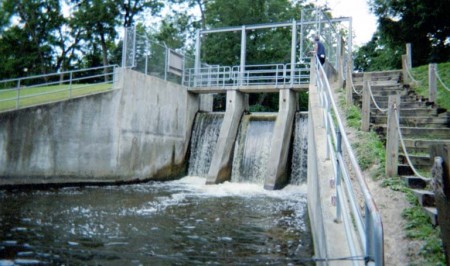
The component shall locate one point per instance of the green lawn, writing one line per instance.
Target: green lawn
(421, 74)
(45, 94)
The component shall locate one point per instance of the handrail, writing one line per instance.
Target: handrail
(19, 92)
(368, 225)
(263, 74)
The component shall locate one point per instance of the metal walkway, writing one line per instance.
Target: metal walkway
(255, 78)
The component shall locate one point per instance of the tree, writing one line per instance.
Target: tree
(130, 8)
(263, 46)
(36, 25)
(423, 23)
(99, 19)
(376, 55)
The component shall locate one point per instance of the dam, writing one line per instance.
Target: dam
(198, 186)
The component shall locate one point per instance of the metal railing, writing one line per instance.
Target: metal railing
(42, 89)
(253, 75)
(364, 226)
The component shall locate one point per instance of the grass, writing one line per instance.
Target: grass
(418, 226)
(421, 75)
(370, 151)
(31, 96)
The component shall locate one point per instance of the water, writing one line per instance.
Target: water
(299, 166)
(203, 142)
(252, 149)
(180, 222)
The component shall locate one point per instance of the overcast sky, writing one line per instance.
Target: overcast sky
(363, 22)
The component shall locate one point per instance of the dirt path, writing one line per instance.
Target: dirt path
(398, 250)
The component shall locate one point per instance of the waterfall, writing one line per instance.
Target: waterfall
(252, 149)
(300, 149)
(203, 142)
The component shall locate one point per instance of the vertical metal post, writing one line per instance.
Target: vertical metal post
(348, 85)
(338, 175)
(70, 84)
(134, 48)
(301, 35)
(432, 83)
(146, 56)
(197, 58)
(338, 55)
(350, 44)
(293, 51)
(166, 61)
(369, 232)
(146, 64)
(124, 47)
(18, 94)
(182, 72)
(243, 55)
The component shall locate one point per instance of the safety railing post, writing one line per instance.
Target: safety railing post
(348, 85)
(392, 137)
(432, 83)
(369, 232)
(70, 84)
(338, 176)
(365, 119)
(18, 94)
(166, 61)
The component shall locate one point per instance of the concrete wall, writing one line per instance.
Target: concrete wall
(138, 131)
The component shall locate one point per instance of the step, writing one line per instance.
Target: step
(422, 145)
(380, 75)
(425, 197)
(404, 104)
(405, 170)
(409, 112)
(433, 213)
(418, 161)
(418, 132)
(421, 121)
(416, 182)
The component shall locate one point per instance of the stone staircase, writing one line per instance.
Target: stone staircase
(422, 124)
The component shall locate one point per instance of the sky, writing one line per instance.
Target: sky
(364, 23)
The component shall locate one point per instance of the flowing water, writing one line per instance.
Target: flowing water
(203, 142)
(252, 149)
(183, 222)
(180, 222)
(299, 166)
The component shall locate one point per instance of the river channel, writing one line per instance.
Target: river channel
(182, 222)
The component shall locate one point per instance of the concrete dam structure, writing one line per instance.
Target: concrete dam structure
(139, 131)
(149, 129)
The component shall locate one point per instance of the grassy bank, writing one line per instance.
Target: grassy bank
(30, 96)
(371, 154)
(421, 75)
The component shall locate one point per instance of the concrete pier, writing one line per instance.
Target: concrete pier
(220, 169)
(276, 176)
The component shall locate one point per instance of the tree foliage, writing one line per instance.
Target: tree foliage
(38, 37)
(423, 23)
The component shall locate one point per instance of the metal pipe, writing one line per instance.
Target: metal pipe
(243, 54)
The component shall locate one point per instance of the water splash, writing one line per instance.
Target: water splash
(203, 142)
(252, 149)
(299, 166)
